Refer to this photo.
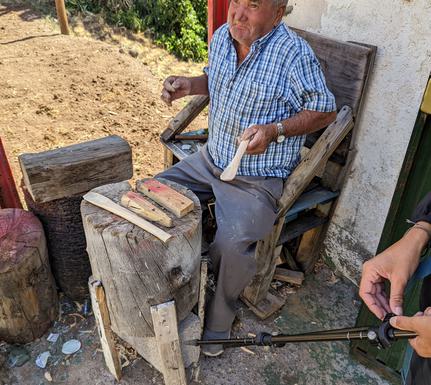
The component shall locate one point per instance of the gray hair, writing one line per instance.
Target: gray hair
(280, 3)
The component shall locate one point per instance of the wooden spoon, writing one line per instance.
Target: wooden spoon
(230, 171)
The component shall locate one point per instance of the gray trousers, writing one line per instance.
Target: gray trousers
(245, 210)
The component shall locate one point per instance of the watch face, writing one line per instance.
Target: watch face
(280, 138)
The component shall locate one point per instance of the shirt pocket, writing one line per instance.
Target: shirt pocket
(266, 100)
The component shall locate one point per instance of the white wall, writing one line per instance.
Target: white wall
(401, 30)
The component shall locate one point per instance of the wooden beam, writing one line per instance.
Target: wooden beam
(295, 185)
(141, 206)
(101, 314)
(76, 169)
(202, 292)
(289, 276)
(166, 332)
(107, 204)
(166, 197)
(62, 17)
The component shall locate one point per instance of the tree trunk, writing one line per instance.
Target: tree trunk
(28, 297)
(136, 269)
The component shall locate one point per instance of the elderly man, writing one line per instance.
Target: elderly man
(265, 84)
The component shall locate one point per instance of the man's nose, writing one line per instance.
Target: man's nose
(241, 13)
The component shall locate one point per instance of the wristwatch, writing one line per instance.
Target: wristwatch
(280, 133)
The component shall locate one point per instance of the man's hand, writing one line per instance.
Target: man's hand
(421, 324)
(396, 264)
(263, 135)
(175, 87)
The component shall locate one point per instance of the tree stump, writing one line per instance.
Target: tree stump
(28, 297)
(137, 269)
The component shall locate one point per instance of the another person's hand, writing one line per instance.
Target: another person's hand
(262, 135)
(421, 324)
(175, 87)
(396, 264)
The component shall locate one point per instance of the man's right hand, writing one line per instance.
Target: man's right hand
(396, 264)
(175, 87)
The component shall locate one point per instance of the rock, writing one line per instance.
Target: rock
(42, 359)
(18, 356)
(133, 53)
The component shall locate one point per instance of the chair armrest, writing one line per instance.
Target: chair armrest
(185, 117)
(312, 162)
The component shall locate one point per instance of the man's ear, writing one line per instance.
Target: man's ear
(279, 14)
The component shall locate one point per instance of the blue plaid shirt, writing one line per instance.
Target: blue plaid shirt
(279, 78)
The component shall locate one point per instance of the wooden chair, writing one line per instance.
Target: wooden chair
(309, 193)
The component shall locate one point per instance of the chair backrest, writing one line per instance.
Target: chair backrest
(346, 66)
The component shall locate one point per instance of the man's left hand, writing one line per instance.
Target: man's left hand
(262, 135)
(421, 324)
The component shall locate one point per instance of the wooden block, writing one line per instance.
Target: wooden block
(166, 332)
(308, 250)
(107, 204)
(290, 276)
(268, 306)
(76, 169)
(141, 206)
(165, 196)
(101, 314)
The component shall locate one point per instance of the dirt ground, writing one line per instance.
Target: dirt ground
(58, 90)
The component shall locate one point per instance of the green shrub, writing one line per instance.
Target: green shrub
(178, 25)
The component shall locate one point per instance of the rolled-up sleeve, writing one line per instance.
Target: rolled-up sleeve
(423, 210)
(309, 90)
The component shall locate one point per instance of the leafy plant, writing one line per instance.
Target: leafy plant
(177, 25)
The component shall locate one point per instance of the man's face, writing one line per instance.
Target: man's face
(249, 20)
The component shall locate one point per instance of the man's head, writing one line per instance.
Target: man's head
(249, 20)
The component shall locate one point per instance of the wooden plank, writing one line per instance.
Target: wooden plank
(185, 117)
(308, 249)
(168, 158)
(266, 307)
(312, 198)
(107, 204)
(101, 314)
(289, 276)
(165, 196)
(202, 292)
(295, 185)
(166, 332)
(62, 17)
(141, 206)
(76, 169)
(290, 261)
(278, 259)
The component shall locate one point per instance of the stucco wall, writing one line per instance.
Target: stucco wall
(402, 32)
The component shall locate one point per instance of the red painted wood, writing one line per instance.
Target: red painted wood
(217, 15)
(8, 193)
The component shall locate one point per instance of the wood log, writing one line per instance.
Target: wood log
(76, 169)
(138, 270)
(28, 297)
